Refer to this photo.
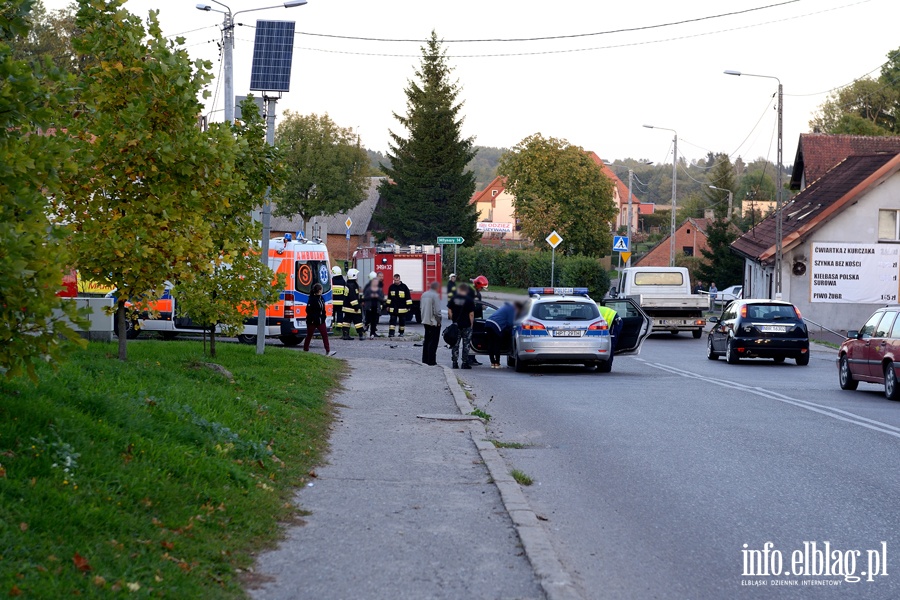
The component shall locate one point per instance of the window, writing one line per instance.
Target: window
(688, 250)
(566, 311)
(869, 327)
(493, 193)
(884, 328)
(895, 332)
(658, 278)
(889, 225)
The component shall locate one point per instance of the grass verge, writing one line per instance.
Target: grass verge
(521, 478)
(514, 445)
(160, 476)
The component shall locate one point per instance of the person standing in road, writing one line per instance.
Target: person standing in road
(353, 307)
(372, 299)
(399, 301)
(614, 323)
(461, 310)
(315, 320)
(430, 307)
(451, 285)
(338, 291)
(499, 327)
(478, 284)
(713, 292)
(698, 289)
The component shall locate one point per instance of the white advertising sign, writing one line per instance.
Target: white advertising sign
(488, 227)
(854, 273)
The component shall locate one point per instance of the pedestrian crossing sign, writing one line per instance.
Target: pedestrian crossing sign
(620, 243)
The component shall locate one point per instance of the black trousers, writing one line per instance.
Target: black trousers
(494, 341)
(372, 315)
(430, 345)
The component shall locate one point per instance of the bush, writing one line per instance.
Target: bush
(525, 268)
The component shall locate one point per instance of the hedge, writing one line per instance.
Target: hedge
(524, 268)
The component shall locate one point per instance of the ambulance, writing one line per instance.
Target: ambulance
(303, 263)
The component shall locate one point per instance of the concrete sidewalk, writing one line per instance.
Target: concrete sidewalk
(405, 507)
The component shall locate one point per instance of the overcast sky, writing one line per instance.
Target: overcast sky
(596, 91)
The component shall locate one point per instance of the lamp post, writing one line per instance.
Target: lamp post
(779, 185)
(228, 46)
(730, 197)
(674, 189)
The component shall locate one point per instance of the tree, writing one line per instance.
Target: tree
(32, 252)
(484, 165)
(558, 187)
(149, 182)
(721, 264)
(721, 175)
(327, 168)
(238, 279)
(866, 106)
(50, 37)
(429, 188)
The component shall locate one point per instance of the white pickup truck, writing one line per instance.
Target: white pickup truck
(664, 293)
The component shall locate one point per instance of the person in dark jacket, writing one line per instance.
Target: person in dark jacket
(399, 301)
(461, 310)
(478, 284)
(499, 327)
(451, 285)
(372, 299)
(315, 320)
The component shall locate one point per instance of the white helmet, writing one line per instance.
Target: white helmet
(335, 270)
(373, 275)
(352, 274)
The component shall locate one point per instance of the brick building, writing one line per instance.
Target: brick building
(690, 240)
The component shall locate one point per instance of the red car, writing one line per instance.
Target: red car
(872, 353)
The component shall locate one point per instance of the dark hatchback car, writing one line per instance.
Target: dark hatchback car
(759, 329)
(872, 353)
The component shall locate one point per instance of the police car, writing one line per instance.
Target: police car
(564, 326)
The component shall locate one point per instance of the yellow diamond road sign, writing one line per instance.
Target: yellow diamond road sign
(554, 239)
(348, 222)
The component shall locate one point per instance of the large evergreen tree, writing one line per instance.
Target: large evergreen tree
(721, 264)
(428, 190)
(721, 175)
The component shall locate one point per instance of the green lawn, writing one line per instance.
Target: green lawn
(159, 476)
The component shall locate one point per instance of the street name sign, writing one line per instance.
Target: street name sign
(450, 240)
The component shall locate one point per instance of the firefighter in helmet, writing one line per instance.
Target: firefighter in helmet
(353, 307)
(338, 291)
(399, 301)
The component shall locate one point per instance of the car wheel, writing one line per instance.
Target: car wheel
(731, 356)
(290, 340)
(891, 388)
(845, 377)
(247, 339)
(131, 328)
(778, 360)
(803, 359)
(605, 366)
(697, 333)
(510, 360)
(168, 335)
(518, 363)
(710, 353)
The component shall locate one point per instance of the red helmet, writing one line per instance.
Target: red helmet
(480, 282)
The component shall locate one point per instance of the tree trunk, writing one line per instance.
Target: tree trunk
(212, 342)
(123, 332)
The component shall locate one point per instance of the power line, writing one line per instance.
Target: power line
(555, 37)
(591, 49)
(840, 86)
(190, 31)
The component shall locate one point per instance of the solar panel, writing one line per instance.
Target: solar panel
(273, 50)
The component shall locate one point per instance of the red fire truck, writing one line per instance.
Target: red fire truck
(418, 266)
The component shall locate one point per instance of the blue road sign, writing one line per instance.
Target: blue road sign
(620, 243)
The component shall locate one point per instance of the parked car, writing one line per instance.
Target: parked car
(759, 329)
(730, 293)
(564, 326)
(872, 353)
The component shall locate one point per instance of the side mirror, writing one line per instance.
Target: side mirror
(713, 320)
(853, 334)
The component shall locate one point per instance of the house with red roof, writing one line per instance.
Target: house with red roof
(496, 213)
(620, 197)
(817, 153)
(840, 238)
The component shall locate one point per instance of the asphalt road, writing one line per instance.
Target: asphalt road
(653, 477)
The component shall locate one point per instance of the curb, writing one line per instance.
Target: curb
(555, 581)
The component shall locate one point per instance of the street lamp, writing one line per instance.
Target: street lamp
(674, 189)
(228, 46)
(630, 195)
(780, 186)
(730, 197)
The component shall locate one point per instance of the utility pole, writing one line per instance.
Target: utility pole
(261, 321)
(779, 203)
(628, 225)
(674, 189)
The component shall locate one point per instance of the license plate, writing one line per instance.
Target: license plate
(773, 329)
(567, 333)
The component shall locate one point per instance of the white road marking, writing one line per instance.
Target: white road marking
(834, 413)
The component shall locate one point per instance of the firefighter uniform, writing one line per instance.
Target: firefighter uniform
(338, 291)
(399, 302)
(353, 307)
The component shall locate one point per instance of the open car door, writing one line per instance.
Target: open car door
(636, 325)
(479, 334)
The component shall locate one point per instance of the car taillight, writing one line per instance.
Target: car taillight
(744, 311)
(600, 325)
(530, 325)
(797, 310)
